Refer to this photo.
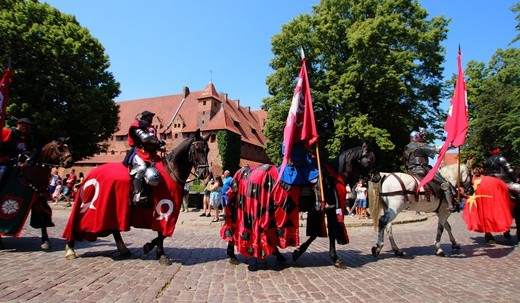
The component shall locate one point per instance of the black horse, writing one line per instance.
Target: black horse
(26, 189)
(105, 195)
(262, 214)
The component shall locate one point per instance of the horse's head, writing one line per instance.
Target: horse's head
(56, 153)
(198, 155)
(358, 162)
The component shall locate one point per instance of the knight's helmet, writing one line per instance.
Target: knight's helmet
(416, 136)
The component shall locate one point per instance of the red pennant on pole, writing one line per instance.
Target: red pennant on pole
(300, 125)
(4, 90)
(456, 123)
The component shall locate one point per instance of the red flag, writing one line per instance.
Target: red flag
(300, 125)
(4, 88)
(456, 123)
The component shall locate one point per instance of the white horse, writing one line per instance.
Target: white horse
(398, 191)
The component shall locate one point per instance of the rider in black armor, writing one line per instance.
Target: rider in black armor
(416, 154)
(497, 166)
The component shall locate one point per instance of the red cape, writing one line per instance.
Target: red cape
(490, 208)
(102, 205)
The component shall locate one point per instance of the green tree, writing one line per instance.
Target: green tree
(494, 106)
(374, 70)
(61, 81)
(229, 145)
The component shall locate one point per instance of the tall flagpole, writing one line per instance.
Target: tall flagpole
(320, 179)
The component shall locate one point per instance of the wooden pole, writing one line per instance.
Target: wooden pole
(320, 180)
(458, 175)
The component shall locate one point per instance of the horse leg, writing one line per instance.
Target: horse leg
(70, 254)
(332, 225)
(397, 251)
(454, 244)
(150, 245)
(384, 220)
(124, 252)
(230, 251)
(440, 229)
(279, 257)
(490, 239)
(161, 256)
(300, 250)
(46, 244)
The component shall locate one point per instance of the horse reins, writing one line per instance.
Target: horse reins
(169, 164)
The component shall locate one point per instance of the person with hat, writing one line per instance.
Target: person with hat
(142, 137)
(17, 144)
(497, 166)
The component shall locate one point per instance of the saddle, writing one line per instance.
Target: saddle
(430, 188)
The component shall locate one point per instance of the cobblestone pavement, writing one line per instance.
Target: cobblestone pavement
(201, 272)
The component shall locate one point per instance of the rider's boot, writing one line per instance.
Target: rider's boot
(449, 196)
(138, 196)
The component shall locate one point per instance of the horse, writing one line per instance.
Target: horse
(26, 189)
(398, 191)
(102, 205)
(263, 215)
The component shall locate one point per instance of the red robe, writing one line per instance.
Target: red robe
(489, 209)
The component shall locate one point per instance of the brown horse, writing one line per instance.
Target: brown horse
(102, 204)
(26, 190)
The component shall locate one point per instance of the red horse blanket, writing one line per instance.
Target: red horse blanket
(490, 208)
(103, 205)
(261, 215)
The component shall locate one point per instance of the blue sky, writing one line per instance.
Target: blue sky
(158, 47)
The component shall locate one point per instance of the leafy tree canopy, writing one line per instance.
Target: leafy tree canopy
(374, 70)
(494, 106)
(61, 78)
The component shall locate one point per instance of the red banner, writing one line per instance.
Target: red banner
(456, 125)
(4, 90)
(300, 125)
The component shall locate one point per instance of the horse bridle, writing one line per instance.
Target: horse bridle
(62, 158)
(191, 158)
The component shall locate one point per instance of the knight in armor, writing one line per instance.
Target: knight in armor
(17, 145)
(416, 154)
(497, 166)
(142, 137)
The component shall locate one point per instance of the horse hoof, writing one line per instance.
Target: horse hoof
(281, 259)
(234, 261)
(455, 247)
(399, 253)
(375, 251)
(491, 243)
(440, 254)
(46, 245)
(126, 254)
(296, 254)
(147, 248)
(70, 254)
(164, 260)
(340, 264)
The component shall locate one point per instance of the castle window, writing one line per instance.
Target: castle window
(176, 136)
(204, 103)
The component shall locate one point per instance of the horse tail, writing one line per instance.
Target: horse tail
(374, 198)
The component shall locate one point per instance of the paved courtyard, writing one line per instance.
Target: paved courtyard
(201, 272)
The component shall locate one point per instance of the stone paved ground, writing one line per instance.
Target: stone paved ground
(201, 272)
